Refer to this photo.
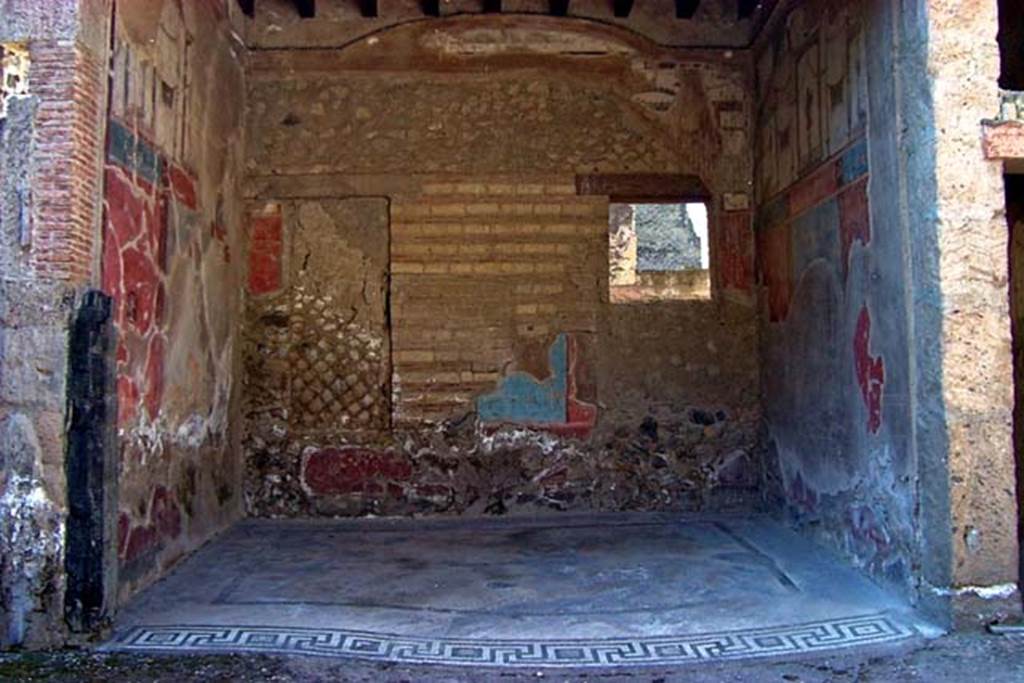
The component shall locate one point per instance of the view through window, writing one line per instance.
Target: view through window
(658, 251)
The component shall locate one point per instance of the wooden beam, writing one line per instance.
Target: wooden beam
(492, 6)
(747, 8)
(622, 8)
(640, 187)
(685, 9)
(559, 8)
(306, 8)
(368, 8)
(248, 7)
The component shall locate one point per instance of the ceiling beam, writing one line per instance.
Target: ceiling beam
(622, 8)
(248, 7)
(685, 9)
(492, 6)
(368, 8)
(747, 8)
(306, 8)
(559, 8)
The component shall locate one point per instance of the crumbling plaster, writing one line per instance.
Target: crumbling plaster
(881, 279)
(171, 255)
(919, 486)
(475, 132)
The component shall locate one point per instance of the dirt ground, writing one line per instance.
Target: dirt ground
(965, 657)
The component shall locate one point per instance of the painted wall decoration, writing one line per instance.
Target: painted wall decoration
(829, 206)
(549, 404)
(870, 371)
(266, 245)
(155, 240)
(135, 265)
(834, 325)
(736, 251)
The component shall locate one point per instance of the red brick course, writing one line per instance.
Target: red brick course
(68, 80)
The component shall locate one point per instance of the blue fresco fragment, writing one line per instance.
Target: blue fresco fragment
(854, 163)
(815, 236)
(149, 164)
(132, 153)
(522, 398)
(121, 146)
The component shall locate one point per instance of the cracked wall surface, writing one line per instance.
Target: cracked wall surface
(171, 261)
(834, 327)
(500, 391)
(865, 240)
(976, 363)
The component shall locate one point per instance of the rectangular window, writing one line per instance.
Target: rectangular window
(658, 251)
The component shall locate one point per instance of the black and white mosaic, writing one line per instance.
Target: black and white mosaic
(331, 642)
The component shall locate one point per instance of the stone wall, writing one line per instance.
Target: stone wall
(667, 240)
(171, 248)
(49, 151)
(975, 361)
(492, 324)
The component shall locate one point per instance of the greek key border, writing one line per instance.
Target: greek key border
(777, 641)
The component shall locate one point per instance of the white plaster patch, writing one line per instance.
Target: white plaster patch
(32, 537)
(994, 592)
(518, 437)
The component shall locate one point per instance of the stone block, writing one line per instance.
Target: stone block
(34, 366)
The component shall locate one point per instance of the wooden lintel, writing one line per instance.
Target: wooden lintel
(639, 187)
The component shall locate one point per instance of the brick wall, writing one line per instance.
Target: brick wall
(68, 80)
(49, 217)
(479, 269)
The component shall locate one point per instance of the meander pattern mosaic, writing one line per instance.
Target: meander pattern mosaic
(701, 647)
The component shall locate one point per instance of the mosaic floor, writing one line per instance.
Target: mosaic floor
(554, 591)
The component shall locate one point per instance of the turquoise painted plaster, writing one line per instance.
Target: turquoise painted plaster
(522, 398)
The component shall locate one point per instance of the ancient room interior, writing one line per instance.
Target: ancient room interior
(507, 332)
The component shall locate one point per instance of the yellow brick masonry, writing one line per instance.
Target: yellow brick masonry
(480, 269)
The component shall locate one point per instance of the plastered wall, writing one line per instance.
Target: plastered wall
(510, 382)
(834, 336)
(889, 420)
(171, 259)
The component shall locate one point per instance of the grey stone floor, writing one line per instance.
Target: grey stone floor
(564, 591)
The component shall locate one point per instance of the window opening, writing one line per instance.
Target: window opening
(658, 251)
